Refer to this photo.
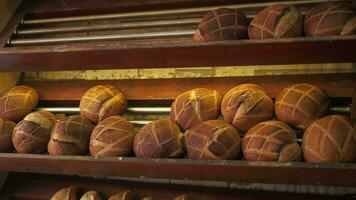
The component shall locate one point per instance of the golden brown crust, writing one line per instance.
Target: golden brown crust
(102, 101)
(91, 195)
(222, 24)
(16, 103)
(70, 136)
(69, 193)
(112, 137)
(301, 104)
(195, 106)
(127, 195)
(330, 139)
(276, 21)
(159, 139)
(31, 135)
(6, 129)
(213, 140)
(330, 18)
(271, 141)
(246, 105)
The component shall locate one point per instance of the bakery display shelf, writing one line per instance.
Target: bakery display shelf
(227, 171)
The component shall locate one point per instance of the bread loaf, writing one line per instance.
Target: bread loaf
(195, 106)
(276, 21)
(159, 139)
(245, 105)
(222, 24)
(148, 198)
(330, 139)
(91, 195)
(102, 101)
(31, 135)
(16, 103)
(301, 104)
(330, 18)
(271, 141)
(213, 140)
(112, 137)
(70, 136)
(6, 128)
(69, 193)
(127, 195)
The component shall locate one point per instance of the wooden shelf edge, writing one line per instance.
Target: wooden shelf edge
(116, 55)
(227, 171)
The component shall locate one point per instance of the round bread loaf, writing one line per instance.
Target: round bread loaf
(127, 195)
(91, 195)
(271, 141)
(195, 106)
(330, 139)
(222, 24)
(16, 103)
(6, 128)
(31, 135)
(301, 104)
(245, 105)
(330, 18)
(102, 101)
(70, 136)
(112, 137)
(213, 140)
(69, 193)
(276, 21)
(159, 139)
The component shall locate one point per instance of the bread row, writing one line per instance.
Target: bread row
(193, 127)
(71, 193)
(278, 21)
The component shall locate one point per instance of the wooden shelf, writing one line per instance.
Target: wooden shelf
(148, 54)
(227, 171)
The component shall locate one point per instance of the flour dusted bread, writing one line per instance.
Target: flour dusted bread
(222, 24)
(127, 195)
(112, 137)
(331, 139)
(276, 21)
(91, 195)
(69, 193)
(31, 135)
(245, 105)
(70, 136)
(16, 103)
(271, 141)
(301, 104)
(213, 140)
(6, 129)
(159, 139)
(195, 106)
(102, 101)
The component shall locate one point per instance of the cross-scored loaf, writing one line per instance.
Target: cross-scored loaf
(31, 135)
(222, 24)
(213, 140)
(245, 105)
(6, 128)
(159, 139)
(301, 104)
(91, 195)
(70, 136)
(271, 141)
(102, 101)
(16, 103)
(330, 139)
(127, 195)
(69, 193)
(276, 21)
(330, 18)
(112, 137)
(195, 106)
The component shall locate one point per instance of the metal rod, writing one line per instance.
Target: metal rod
(155, 13)
(99, 37)
(131, 25)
